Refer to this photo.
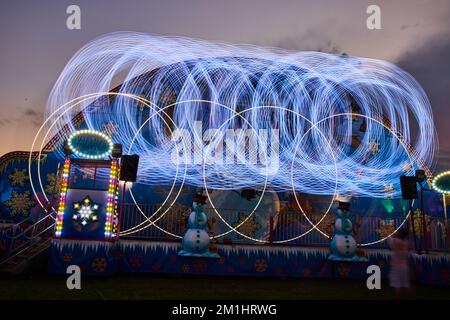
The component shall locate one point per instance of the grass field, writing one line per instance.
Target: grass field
(144, 286)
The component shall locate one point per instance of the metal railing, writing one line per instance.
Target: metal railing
(173, 222)
(371, 229)
(19, 239)
(274, 229)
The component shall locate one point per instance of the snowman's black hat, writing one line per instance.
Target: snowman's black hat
(344, 205)
(199, 198)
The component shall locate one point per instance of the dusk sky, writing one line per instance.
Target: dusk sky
(35, 43)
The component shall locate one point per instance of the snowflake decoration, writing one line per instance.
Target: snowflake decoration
(110, 128)
(99, 264)
(327, 223)
(389, 190)
(386, 228)
(18, 177)
(20, 203)
(141, 104)
(249, 227)
(260, 265)
(53, 184)
(344, 269)
(86, 211)
(290, 216)
(168, 97)
(73, 179)
(418, 226)
(406, 167)
(374, 147)
(87, 175)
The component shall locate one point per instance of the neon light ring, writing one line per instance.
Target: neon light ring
(441, 183)
(90, 144)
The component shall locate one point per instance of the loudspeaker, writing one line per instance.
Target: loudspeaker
(116, 150)
(420, 175)
(129, 168)
(409, 187)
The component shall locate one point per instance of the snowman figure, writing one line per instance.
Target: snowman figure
(196, 240)
(343, 244)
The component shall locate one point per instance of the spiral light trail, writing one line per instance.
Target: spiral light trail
(203, 85)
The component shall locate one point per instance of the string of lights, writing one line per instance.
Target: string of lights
(111, 202)
(62, 198)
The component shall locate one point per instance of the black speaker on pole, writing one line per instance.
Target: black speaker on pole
(129, 168)
(116, 151)
(409, 187)
(420, 175)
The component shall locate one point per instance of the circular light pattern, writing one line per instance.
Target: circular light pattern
(235, 228)
(66, 107)
(90, 144)
(143, 225)
(53, 119)
(441, 182)
(313, 84)
(148, 103)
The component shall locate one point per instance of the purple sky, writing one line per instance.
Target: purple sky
(35, 44)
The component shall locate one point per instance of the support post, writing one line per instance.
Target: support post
(424, 222)
(95, 176)
(121, 209)
(446, 225)
(445, 208)
(271, 230)
(411, 215)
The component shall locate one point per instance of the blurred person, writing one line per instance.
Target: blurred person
(399, 275)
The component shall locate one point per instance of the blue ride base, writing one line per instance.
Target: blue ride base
(127, 256)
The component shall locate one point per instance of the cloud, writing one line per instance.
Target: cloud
(31, 113)
(5, 122)
(310, 40)
(35, 117)
(430, 66)
(408, 26)
(444, 160)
